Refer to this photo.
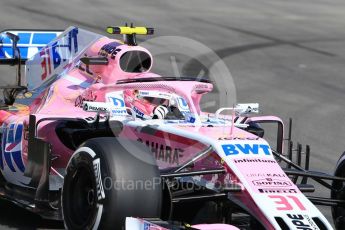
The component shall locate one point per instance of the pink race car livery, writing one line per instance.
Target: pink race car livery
(83, 141)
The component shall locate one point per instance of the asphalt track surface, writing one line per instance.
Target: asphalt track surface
(287, 55)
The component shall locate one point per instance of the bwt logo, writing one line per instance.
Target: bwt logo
(118, 102)
(234, 149)
(183, 104)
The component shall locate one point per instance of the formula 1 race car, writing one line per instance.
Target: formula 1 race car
(90, 136)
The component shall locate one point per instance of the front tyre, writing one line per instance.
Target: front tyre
(105, 183)
(338, 192)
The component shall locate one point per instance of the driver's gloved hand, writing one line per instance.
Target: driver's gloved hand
(160, 112)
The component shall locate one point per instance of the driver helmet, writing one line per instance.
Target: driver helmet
(149, 104)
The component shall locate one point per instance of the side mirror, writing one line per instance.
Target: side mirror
(100, 60)
(247, 108)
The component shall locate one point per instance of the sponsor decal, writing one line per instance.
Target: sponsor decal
(138, 112)
(164, 95)
(97, 169)
(79, 101)
(99, 107)
(117, 103)
(143, 93)
(277, 190)
(110, 50)
(182, 103)
(302, 222)
(11, 148)
(247, 149)
(201, 86)
(90, 97)
(269, 182)
(257, 160)
(189, 117)
(266, 175)
(59, 53)
(118, 112)
(164, 153)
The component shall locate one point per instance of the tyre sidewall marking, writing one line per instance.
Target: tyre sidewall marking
(97, 170)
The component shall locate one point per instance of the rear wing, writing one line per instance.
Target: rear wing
(27, 42)
(16, 47)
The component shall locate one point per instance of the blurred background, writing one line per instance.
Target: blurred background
(289, 56)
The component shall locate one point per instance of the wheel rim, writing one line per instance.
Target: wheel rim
(82, 199)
